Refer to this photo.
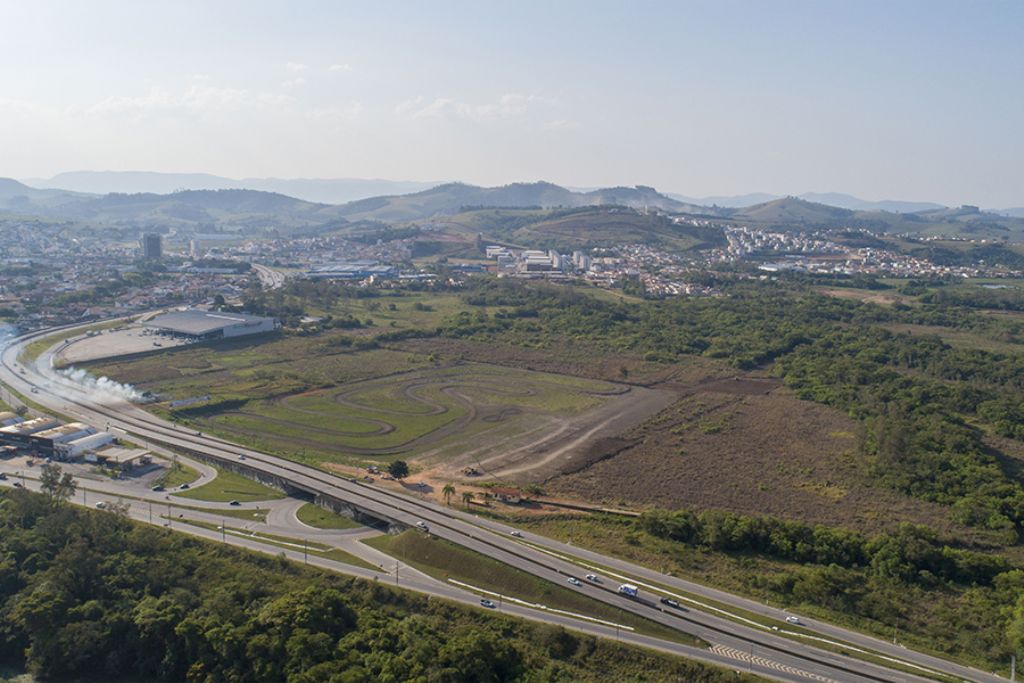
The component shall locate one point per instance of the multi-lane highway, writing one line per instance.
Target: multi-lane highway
(269, 278)
(746, 646)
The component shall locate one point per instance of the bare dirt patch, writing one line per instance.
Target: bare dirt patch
(748, 452)
(868, 296)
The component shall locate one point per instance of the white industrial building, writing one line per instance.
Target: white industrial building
(73, 450)
(204, 325)
(8, 418)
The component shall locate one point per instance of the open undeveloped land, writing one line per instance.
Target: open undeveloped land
(612, 430)
(319, 402)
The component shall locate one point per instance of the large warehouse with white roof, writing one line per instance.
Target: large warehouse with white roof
(204, 325)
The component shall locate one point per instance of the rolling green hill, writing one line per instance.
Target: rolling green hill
(798, 214)
(453, 198)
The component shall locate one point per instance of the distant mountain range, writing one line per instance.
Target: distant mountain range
(258, 212)
(843, 201)
(454, 197)
(320, 190)
(343, 190)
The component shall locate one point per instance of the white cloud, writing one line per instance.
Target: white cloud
(346, 112)
(293, 83)
(561, 124)
(196, 98)
(506, 106)
(296, 66)
(340, 67)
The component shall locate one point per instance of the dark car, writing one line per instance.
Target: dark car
(183, 487)
(158, 487)
(234, 502)
(670, 602)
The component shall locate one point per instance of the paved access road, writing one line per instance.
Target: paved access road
(746, 646)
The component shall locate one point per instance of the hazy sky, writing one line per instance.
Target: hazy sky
(910, 100)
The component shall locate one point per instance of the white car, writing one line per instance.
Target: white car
(516, 533)
(792, 620)
(593, 578)
(573, 581)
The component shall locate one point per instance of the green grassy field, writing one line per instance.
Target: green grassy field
(176, 475)
(315, 516)
(313, 400)
(407, 413)
(962, 338)
(229, 486)
(443, 560)
(288, 542)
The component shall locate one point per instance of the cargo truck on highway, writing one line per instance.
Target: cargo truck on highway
(629, 590)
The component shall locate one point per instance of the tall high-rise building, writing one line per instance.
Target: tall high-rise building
(152, 247)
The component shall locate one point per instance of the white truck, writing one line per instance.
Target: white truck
(629, 590)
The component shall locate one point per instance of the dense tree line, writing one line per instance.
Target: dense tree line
(957, 601)
(87, 594)
(911, 554)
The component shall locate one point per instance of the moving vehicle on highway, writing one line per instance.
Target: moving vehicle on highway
(489, 604)
(629, 590)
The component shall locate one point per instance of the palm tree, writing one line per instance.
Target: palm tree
(467, 496)
(448, 491)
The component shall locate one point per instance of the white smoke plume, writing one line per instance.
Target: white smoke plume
(102, 389)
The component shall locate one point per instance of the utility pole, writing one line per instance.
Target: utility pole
(1013, 668)
(150, 512)
(305, 551)
(169, 518)
(396, 572)
(223, 531)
